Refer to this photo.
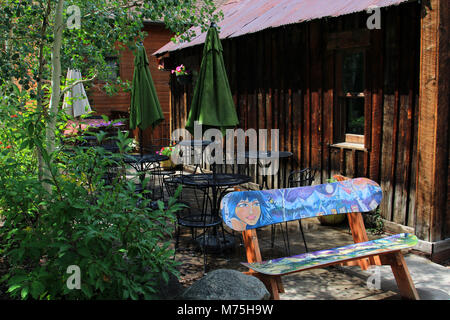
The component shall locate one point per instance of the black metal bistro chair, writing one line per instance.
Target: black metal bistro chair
(158, 173)
(301, 178)
(196, 213)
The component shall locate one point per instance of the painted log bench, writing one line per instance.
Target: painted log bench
(248, 210)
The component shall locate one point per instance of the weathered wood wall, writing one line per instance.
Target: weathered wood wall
(284, 78)
(433, 184)
(158, 36)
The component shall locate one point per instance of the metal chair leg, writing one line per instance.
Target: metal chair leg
(272, 235)
(286, 244)
(284, 235)
(204, 250)
(303, 234)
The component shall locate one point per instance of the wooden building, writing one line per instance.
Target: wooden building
(347, 99)
(118, 105)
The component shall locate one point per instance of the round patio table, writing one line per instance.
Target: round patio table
(143, 163)
(217, 183)
(197, 146)
(195, 143)
(265, 159)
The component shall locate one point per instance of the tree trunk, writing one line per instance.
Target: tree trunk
(56, 86)
(39, 98)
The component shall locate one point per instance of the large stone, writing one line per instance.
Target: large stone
(223, 284)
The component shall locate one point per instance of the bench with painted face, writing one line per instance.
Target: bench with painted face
(248, 210)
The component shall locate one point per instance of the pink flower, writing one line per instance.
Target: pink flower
(173, 71)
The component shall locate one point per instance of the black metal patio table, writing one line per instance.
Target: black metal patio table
(264, 160)
(217, 183)
(143, 163)
(195, 146)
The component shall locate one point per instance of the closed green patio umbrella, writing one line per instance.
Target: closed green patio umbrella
(145, 110)
(212, 104)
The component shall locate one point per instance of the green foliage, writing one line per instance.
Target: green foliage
(108, 230)
(26, 34)
(374, 222)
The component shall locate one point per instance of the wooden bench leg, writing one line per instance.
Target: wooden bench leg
(272, 283)
(375, 260)
(401, 273)
(359, 234)
(356, 223)
(280, 285)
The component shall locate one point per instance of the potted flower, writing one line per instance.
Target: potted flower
(183, 76)
(166, 151)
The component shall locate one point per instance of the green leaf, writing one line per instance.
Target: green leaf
(86, 289)
(24, 293)
(37, 289)
(14, 288)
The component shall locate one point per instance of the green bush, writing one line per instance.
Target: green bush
(107, 230)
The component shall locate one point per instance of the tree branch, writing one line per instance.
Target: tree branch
(130, 5)
(77, 83)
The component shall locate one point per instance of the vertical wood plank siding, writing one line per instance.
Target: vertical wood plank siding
(283, 78)
(158, 35)
(433, 121)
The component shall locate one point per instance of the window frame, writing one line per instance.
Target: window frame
(116, 60)
(340, 122)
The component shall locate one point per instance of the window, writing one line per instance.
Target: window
(350, 104)
(112, 68)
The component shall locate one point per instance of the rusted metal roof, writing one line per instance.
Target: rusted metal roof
(248, 16)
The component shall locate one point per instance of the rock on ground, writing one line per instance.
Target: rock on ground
(224, 284)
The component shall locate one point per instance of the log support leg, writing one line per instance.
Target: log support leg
(401, 273)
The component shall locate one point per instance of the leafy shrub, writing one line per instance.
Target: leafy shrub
(106, 229)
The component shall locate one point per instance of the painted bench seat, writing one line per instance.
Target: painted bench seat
(247, 211)
(315, 259)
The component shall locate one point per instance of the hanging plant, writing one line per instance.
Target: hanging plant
(183, 76)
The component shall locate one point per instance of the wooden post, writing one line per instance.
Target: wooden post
(251, 246)
(401, 274)
(432, 147)
(356, 223)
(359, 234)
(273, 284)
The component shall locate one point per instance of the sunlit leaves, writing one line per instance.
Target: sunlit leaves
(104, 25)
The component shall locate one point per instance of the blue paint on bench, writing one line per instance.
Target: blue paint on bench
(244, 210)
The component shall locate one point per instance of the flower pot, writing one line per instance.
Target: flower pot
(332, 220)
(184, 79)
